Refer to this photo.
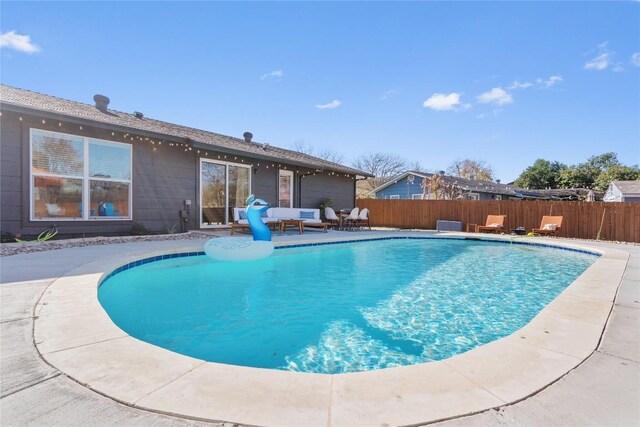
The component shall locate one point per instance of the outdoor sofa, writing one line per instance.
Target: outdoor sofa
(310, 217)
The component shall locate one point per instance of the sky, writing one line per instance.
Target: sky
(433, 82)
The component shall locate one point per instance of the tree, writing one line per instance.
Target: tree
(324, 154)
(417, 167)
(604, 161)
(616, 173)
(477, 170)
(382, 166)
(542, 174)
(437, 186)
(580, 176)
(596, 172)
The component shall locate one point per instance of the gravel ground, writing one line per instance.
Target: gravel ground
(7, 249)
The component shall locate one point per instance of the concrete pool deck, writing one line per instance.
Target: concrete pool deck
(78, 340)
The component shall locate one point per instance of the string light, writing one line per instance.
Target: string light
(187, 148)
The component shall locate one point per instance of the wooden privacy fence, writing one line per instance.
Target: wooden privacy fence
(620, 221)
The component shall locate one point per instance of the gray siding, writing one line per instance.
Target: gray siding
(162, 179)
(264, 183)
(11, 172)
(337, 187)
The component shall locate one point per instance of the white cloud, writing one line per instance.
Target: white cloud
(21, 42)
(517, 85)
(443, 102)
(635, 58)
(617, 67)
(277, 74)
(602, 60)
(388, 94)
(333, 104)
(497, 96)
(551, 81)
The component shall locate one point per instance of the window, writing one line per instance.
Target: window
(78, 178)
(285, 189)
(497, 197)
(223, 186)
(473, 196)
(394, 196)
(416, 196)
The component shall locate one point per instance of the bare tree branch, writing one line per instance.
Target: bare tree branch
(477, 170)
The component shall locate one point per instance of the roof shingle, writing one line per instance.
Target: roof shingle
(25, 99)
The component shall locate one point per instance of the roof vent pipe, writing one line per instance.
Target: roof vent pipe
(441, 173)
(247, 136)
(497, 181)
(102, 102)
(138, 114)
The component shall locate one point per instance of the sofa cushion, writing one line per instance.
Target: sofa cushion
(307, 215)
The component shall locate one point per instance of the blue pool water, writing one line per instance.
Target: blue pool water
(341, 308)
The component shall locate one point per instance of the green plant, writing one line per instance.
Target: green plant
(139, 229)
(326, 202)
(171, 229)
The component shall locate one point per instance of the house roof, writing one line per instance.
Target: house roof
(466, 184)
(628, 187)
(28, 101)
(510, 190)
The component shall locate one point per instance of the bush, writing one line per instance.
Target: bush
(7, 237)
(139, 229)
(326, 202)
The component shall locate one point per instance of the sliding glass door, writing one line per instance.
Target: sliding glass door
(223, 186)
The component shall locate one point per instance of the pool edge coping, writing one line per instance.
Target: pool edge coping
(346, 398)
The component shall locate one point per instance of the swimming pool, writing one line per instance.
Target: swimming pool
(341, 308)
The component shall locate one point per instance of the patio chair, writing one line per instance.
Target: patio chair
(495, 223)
(350, 220)
(331, 216)
(363, 218)
(550, 225)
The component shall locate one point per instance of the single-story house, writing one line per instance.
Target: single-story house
(623, 191)
(416, 185)
(96, 171)
(420, 186)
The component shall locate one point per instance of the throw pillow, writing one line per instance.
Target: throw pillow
(242, 214)
(551, 227)
(306, 215)
(495, 224)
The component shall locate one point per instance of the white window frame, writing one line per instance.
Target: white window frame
(394, 196)
(226, 190)
(86, 191)
(497, 197)
(473, 196)
(416, 196)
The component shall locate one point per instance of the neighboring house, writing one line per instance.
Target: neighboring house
(409, 185)
(623, 191)
(93, 170)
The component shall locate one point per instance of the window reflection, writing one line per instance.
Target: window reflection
(55, 197)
